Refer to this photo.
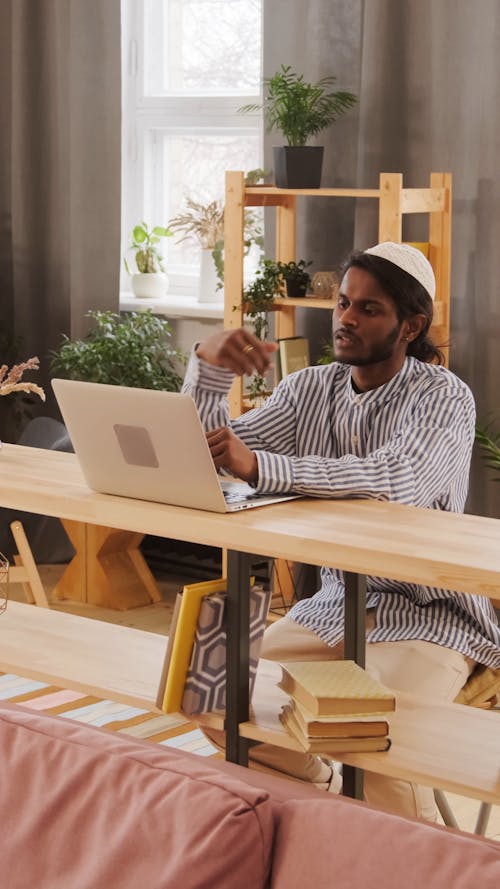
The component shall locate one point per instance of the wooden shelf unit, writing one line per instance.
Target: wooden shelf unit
(394, 202)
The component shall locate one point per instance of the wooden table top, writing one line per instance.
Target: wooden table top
(447, 550)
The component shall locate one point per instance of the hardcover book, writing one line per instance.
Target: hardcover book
(333, 745)
(194, 671)
(293, 354)
(180, 642)
(332, 687)
(205, 686)
(160, 694)
(334, 726)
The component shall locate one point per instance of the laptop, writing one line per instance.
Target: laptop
(149, 445)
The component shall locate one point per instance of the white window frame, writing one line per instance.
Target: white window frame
(142, 116)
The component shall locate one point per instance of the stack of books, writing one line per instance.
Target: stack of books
(335, 707)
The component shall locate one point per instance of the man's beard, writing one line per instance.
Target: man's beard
(378, 353)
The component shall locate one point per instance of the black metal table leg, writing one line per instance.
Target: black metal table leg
(237, 654)
(354, 650)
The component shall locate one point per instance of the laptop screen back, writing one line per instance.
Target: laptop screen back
(140, 443)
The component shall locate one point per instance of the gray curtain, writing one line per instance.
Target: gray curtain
(428, 76)
(60, 116)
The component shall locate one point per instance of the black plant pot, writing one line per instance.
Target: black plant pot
(298, 167)
(297, 286)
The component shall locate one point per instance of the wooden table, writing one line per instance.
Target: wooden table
(391, 540)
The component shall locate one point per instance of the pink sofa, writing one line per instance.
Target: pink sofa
(82, 808)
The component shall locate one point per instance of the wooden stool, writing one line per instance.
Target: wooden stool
(107, 569)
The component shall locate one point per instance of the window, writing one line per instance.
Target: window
(188, 65)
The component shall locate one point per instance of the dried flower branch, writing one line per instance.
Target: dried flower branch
(204, 222)
(10, 380)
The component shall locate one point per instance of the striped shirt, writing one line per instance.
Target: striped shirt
(409, 440)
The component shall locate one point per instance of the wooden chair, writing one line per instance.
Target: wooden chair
(481, 690)
(24, 570)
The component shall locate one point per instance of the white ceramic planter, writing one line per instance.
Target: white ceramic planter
(208, 292)
(149, 285)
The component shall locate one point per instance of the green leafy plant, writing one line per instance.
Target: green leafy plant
(327, 354)
(258, 299)
(488, 439)
(145, 243)
(132, 349)
(259, 296)
(299, 109)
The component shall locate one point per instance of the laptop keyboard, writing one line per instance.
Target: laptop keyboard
(236, 492)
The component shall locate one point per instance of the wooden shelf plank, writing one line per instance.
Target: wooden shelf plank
(267, 191)
(423, 200)
(431, 742)
(304, 302)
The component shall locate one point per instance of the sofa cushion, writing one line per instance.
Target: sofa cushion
(85, 808)
(350, 845)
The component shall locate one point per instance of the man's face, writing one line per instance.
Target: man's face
(366, 330)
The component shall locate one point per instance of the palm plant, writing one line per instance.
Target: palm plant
(489, 442)
(300, 109)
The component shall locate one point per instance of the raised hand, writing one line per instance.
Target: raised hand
(237, 350)
(228, 452)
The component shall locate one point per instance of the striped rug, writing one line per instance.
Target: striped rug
(172, 730)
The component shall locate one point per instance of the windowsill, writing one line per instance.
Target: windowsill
(173, 306)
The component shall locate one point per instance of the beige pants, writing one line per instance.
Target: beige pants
(422, 668)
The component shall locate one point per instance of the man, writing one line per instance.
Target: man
(382, 421)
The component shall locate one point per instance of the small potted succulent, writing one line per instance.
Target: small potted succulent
(150, 280)
(300, 110)
(295, 276)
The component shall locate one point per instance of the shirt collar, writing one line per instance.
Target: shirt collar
(384, 393)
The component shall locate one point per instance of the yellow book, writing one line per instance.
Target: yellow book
(182, 644)
(160, 693)
(341, 726)
(333, 687)
(332, 745)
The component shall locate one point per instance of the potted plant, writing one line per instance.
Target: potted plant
(150, 280)
(300, 110)
(327, 354)
(131, 349)
(295, 276)
(204, 223)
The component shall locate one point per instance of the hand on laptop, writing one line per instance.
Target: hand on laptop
(237, 350)
(228, 452)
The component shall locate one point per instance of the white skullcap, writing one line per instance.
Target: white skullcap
(410, 260)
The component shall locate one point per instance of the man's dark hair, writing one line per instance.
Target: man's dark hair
(409, 298)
